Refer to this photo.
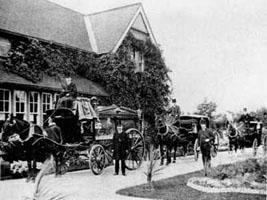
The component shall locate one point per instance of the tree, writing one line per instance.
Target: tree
(206, 108)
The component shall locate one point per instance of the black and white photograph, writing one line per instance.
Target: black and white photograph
(133, 99)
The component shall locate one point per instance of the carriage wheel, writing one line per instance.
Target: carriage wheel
(136, 149)
(196, 151)
(264, 145)
(97, 159)
(255, 147)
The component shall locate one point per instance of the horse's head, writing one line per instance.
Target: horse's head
(160, 124)
(14, 126)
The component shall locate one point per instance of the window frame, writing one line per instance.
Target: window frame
(33, 103)
(25, 104)
(4, 112)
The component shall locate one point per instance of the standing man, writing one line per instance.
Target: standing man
(205, 140)
(120, 142)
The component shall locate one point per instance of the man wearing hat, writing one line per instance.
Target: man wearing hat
(205, 139)
(120, 142)
(69, 92)
(175, 110)
(245, 118)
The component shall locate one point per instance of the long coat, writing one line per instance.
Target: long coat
(120, 144)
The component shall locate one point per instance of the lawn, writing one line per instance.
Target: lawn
(175, 188)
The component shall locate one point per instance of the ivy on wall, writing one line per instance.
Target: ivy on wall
(147, 90)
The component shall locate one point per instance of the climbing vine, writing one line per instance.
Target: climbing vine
(147, 90)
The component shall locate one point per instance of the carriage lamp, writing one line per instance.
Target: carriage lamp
(98, 125)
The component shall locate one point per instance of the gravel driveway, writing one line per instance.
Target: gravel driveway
(83, 185)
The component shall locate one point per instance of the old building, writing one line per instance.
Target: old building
(101, 32)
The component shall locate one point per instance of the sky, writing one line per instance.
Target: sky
(215, 49)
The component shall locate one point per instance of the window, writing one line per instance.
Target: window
(20, 104)
(34, 107)
(47, 103)
(139, 61)
(5, 46)
(4, 103)
(56, 98)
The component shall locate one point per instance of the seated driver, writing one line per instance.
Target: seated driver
(69, 93)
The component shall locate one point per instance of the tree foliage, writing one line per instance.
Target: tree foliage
(147, 90)
(206, 108)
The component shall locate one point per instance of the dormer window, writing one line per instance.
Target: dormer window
(138, 59)
(5, 46)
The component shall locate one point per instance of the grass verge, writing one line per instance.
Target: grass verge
(175, 188)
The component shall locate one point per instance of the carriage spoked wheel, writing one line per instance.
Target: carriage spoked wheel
(136, 149)
(196, 150)
(255, 146)
(264, 145)
(97, 159)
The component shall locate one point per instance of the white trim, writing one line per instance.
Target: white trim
(90, 32)
(147, 24)
(143, 15)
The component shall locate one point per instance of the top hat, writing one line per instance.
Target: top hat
(203, 121)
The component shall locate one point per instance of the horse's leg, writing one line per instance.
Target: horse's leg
(29, 174)
(168, 148)
(174, 153)
(161, 154)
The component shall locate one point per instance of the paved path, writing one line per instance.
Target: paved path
(83, 185)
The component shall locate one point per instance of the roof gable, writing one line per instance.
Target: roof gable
(139, 24)
(44, 20)
(108, 26)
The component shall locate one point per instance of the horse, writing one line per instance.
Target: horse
(232, 134)
(25, 141)
(168, 137)
(240, 129)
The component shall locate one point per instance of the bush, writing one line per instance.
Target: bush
(255, 168)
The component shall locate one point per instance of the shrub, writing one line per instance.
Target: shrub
(255, 168)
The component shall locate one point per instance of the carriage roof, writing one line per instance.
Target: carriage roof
(196, 117)
(117, 112)
(81, 107)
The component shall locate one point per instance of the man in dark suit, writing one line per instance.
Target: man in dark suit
(69, 93)
(175, 110)
(120, 142)
(205, 141)
(245, 117)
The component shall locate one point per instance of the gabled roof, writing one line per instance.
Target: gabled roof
(110, 27)
(44, 20)
(101, 32)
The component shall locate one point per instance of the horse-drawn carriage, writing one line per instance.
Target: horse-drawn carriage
(246, 135)
(182, 133)
(191, 123)
(87, 134)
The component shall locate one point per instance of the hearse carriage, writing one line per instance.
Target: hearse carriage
(88, 131)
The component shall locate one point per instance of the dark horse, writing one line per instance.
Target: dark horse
(232, 134)
(169, 135)
(24, 141)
